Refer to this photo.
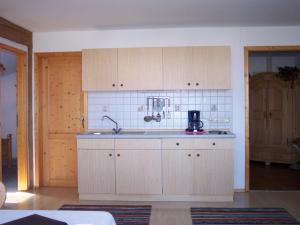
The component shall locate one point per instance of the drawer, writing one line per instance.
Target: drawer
(95, 144)
(200, 143)
(131, 144)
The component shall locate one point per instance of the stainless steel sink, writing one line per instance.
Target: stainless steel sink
(132, 132)
(113, 133)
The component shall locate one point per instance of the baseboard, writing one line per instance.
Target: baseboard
(239, 190)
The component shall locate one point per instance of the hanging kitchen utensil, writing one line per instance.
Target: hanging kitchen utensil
(148, 118)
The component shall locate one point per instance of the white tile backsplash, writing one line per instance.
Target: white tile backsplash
(128, 108)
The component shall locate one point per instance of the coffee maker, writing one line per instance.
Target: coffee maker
(194, 122)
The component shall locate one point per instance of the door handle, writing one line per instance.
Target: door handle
(82, 120)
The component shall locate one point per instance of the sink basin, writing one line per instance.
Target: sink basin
(113, 133)
(132, 132)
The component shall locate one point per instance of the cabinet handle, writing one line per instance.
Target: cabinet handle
(113, 85)
(110, 155)
(118, 155)
(121, 85)
(198, 155)
(197, 84)
(189, 83)
(177, 143)
(189, 155)
(213, 143)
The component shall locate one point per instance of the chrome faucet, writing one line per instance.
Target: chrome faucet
(116, 129)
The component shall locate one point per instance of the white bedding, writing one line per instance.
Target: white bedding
(70, 217)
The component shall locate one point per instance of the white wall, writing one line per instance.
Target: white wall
(236, 37)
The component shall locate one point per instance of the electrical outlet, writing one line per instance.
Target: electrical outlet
(213, 108)
(177, 108)
(105, 108)
(141, 108)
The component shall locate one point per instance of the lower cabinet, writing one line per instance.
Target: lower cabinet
(96, 171)
(156, 169)
(138, 172)
(197, 172)
(213, 172)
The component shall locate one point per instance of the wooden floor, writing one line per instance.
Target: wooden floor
(165, 213)
(273, 177)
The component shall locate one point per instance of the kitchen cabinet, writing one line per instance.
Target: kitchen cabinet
(138, 166)
(178, 172)
(191, 167)
(96, 171)
(140, 69)
(159, 169)
(96, 166)
(197, 67)
(99, 70)
(213, 172)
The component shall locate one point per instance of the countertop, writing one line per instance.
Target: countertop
(150, 135)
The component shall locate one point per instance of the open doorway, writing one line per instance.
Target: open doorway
(8, 107)
(274, 117)
(21, 117)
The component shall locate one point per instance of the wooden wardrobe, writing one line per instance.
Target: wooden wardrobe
(274, 118)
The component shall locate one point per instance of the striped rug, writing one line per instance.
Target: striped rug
(123, 214)
(245, 216)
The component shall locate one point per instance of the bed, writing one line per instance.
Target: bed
(70, 217)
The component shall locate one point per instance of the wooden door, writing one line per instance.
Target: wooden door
(96, 171)
(177, 68)
(258, 112)
(277, 112)
(99, 69)
(140, 69)
(138, 172)
(211, 67)
(62, 108)
(213, 172)
(177, 172)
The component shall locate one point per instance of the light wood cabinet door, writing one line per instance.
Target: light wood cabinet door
(99, 69)
(96, 171)
(177, 172)
(197, 67)
(211, 67)
(138, 172)
(178, 68)
(213, 172)
(140, 69)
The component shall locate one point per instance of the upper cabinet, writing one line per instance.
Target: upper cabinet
(140, 69)
(99, 69)
(170, 68)
(196, 68)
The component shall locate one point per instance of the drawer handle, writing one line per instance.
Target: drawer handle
(177, 143)
(198, 155)
(121, 85)
(189, 155)
(110, 155)
(113, 85)
(118, 155)
(197, 84)
(189, 83)
(213, 143)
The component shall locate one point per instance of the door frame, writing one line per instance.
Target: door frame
(247, 50)
(22, 113)
(38, 107)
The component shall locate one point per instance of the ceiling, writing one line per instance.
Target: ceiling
(58, 15)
